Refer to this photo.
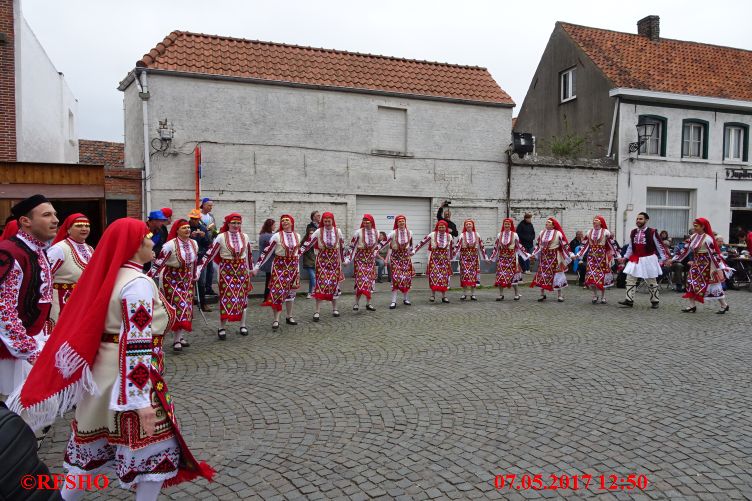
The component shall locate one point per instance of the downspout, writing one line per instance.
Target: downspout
(509, 182)
(144, 95)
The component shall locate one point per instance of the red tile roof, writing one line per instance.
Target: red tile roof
(109, 154)
(215, 55)
(666, 65)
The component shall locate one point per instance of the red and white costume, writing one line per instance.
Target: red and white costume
(68, 259)
(708, 271)
(284, 248)
(601, 248)
(232, 251)
(552, 249)
(506, 250)
(25, 303)
(329, 246)
(470, 251)
(177, 262)
(643, 252)
(364, 247)
(440, 251)
(400, 242)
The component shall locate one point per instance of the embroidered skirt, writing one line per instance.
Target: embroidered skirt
(439, 270)
(234, 286)
(177, 285)
(363, 271)
(328, 274)
(401, 265)
(549, 276)
(469, 266)
(598, 273)
(284, 282)
(702, 282)
(508, 271)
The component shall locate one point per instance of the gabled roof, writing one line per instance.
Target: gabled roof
(666, 65)
(107, 153)
(202, 54)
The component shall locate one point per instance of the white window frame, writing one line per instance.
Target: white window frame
(689, 142)
(687, 208)
(570, 76)
(738, 144)
(655, 139)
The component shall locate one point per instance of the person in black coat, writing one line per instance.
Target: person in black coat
(526, 232)
(445, 214)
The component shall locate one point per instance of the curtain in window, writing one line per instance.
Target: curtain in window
(675, 221)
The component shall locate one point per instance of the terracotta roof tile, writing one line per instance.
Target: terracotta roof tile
(222, 56)
(109, 154)
(666, 65)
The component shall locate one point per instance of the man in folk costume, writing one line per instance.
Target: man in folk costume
(105, 358)
(708, 271)
(25, 290)
(284, 249)
(177, 262)
(329, 244)
(363, 251)
(507, 249)
(600, 246)
(440, 252)
(68, 257)
(470, 251)
(644, 254)
(232, 251)
(552, 250)
(399, 260)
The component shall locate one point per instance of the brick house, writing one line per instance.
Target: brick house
(122, 187)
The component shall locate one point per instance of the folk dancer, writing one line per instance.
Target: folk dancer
(552, 251)
(708, 271)
(177, 262)
(284, 250)
(601, 247)
(105, 358)
(68, 257)
(231, 249)
(507, 251)
(440, 252)
(363, 251)
(25, 290)
(329, 245)
(643, 253)
(399, 260)
(469, 251)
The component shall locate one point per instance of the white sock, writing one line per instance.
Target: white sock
(148, 491)
(69, 494)
(406, 296)
(242, 320)
(394, 296)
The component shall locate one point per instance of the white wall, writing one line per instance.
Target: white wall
(43, 103)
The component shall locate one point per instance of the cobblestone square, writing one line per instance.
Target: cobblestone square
(435, 400)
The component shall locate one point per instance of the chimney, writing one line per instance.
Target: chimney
(649, 26)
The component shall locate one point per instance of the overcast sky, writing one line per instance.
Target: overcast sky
(96, 42)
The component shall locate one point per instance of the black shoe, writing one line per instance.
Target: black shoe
(722, 310)
(432, 299)
(316, 317)
(444, 300)
(595, 300)
(691, 309)
(335, 313)
(392, 306)
(222, 334)
(473, 298)
(542, 298)
(378, 281)
(654, 305)
(290, 321)
(275, 325)
(243, 331)
(406, 302)
(370, 307)
(463, 297)
(626, 302)
(500, 298)
(356, 307)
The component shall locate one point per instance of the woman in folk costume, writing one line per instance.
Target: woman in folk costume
(601, 247)
(470, 251)
(507, 249)
(105, 358)
(441, 250)
(398, 258)
(552, 251)
(68, 256)
(284, 249)
(708, 270)
(232, 251)
(178, 259)
(363, 251)
(10, 230)
(329, 244)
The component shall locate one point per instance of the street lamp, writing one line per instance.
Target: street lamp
(645, 130)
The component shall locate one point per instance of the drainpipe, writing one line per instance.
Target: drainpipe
(509, 182)
(144, 95)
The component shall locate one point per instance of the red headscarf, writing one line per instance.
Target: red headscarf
(397, 219)
(443, 223)
(557, 227)
(708, 231)
(328, 215)
(235, 216)
(370, 218)
(175, 227)
(10, 230)
(603, 222)
(62, 232)
(292, 222)
(62, 373)
(167, 212)
(464, 225)
(511, 222)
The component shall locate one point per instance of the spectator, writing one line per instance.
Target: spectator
(315, 222)
(576, 241)
(165, 228)
(381, 258)
(211, 225)
(445, 214)
(526, 233)
(156, 223)
(748, 241)
(309, 259)
(665, 238)
(200, 234)
(266, 233)
(679, 269)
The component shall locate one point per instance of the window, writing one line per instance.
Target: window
(736, 142)
(741, 199)
(568, 84)
(669, 210)
(695, 139)
(656, 144)
(391, 131)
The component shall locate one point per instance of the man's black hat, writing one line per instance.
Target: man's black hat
(23, 207)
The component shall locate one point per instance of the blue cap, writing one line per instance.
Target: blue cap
(204, 200)
(158, 215)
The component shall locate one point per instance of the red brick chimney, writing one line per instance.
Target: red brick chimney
(7, 83)
(649, 26)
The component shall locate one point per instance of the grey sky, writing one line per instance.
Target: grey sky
(96, 42)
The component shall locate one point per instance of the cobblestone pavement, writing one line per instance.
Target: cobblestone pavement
(435, 400)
